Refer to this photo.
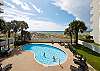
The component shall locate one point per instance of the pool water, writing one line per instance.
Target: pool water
(46, 54)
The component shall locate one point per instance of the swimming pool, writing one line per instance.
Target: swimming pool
(46, 54)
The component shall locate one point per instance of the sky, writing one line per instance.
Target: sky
(47, 15)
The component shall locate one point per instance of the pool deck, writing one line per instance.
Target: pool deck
(26, 62)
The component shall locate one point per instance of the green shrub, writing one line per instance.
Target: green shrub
(89, 37)
(87, 40)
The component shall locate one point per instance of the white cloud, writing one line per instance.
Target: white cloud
(37, 25)
(18, 2)
(37, 9)
(16, 12)
(9, 17)
(23, 4)
(79, 8)
(12, 6)
(1, 1)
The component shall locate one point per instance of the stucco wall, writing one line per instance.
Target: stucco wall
(95, 20)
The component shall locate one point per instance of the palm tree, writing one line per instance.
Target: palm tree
(2, 24)
(8, 28)
(69, 32)
(1, 10)
(23, 26)
(27, 35)
(1, 4)
(15, 28)
(2, 27)
(77, 26)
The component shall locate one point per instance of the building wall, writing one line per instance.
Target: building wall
(95, 19)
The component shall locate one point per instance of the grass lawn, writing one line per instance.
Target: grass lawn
(92, 58)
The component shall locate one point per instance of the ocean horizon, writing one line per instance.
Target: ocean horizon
(50, 32)
(55, 32)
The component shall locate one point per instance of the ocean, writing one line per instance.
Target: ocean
(50, 32)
